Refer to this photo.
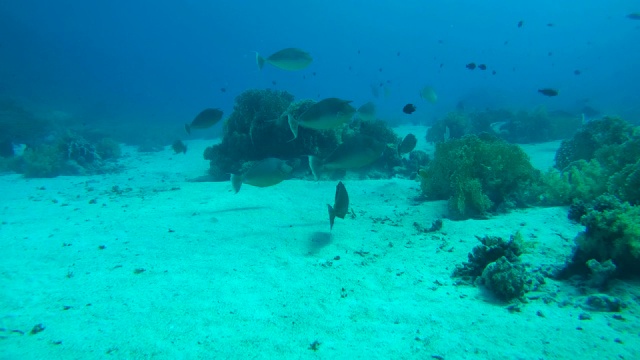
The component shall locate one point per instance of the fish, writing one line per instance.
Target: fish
(367, 112)
(471, 66)
(179, 147)
(577, 72)
(634, 16)
(429, 94)
(407, 144)
(409, 109)
(290, 59)
(340, 204)
(354, 152)
(482, 67)
(206, 119)
(326, 114)
(548, 92)
(520, 23)
(266, 172)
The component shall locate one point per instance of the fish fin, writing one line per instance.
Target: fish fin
(187, 127)
(293, 125)
(332, 216)
(236, 182)
(316, 165)
(260, 61)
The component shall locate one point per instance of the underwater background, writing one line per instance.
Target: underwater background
(479, 162)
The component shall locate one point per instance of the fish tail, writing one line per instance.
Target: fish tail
(260, 61)
(187, 127)
(332, 216)
(236, 182)
(293, 124)
(316, 165)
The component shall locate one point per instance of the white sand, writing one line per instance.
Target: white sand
(255, 275)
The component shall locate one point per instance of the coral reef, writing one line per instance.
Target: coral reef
(518, 127)
(612, 232)
(70, 154)
(479, 175)
(602, 158)
(496, 265)
(593, 136)
(258, 128)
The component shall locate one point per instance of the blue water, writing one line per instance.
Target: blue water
(162, 61)
(251, 289)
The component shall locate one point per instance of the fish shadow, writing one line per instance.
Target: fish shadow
(245, 208)
(318, 240)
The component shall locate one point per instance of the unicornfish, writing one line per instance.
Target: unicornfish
(340, 204)
(206, 119)
(291, 59)
(267, 172)
(326, 114)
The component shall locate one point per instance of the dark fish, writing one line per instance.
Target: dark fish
(471, 66)
(493, 72)
(548, 92)
(355, 152)
(577, 72)
(407, 144)
(274, 82)
(340, 204)
(482, 67)
(179, 147)
(634, 16)
(223, 89)
(206, 119)
(520, 23)
(551, 25)
(409, 109)
(267, 172)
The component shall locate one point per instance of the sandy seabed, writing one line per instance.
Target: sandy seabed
(146, 264)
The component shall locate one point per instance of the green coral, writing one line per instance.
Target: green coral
(457, 122)
(478, 175)
(602, 158)
(593, 136)
(612, 232)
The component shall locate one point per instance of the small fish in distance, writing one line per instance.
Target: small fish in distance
(548, 92)
(482, 67)
(470, 66)
(634, 16)
(340, 204)
(409, 109)
(520, 23)
(179, 147)
(206, 119)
